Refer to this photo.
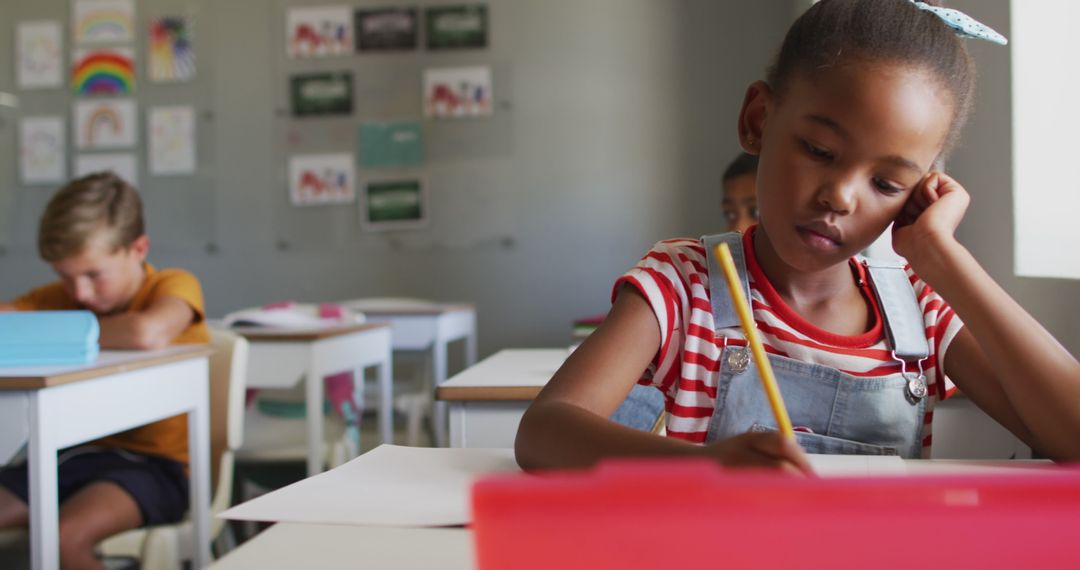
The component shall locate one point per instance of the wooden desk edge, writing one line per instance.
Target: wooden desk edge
(271, 334)
(174, 354)
(486, 393)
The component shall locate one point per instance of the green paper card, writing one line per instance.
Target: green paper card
(394, 204)
(321, 94)
(457, 27)
(391, 144)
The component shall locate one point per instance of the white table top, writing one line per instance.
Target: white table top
(107, 362)
(392, 306)
(333, 547)
(511, 374)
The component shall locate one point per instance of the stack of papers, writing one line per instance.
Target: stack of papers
(44, 338)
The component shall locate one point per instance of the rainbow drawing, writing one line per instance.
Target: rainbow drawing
(105, 123)
(103, 72)
(103, 21)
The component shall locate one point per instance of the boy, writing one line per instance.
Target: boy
(740, 194)
(92, 234)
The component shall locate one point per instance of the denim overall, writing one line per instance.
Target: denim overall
(844, 414)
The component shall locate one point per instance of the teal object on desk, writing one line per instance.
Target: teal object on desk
(44, 338)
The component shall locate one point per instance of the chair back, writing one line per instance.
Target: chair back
(228, 378)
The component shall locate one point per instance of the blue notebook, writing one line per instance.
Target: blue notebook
(43, 338)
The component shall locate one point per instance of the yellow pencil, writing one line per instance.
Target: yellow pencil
(742, 307)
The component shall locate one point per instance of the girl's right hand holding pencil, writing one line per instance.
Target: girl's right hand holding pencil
(767, 450)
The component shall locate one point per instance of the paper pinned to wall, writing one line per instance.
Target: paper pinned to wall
(171, 56)
(123, 164)
(319, 32)
(42, 150)
(391, 144)
(105, 123)
(321, 179)
(103, 21)
(458, 92)
(39, 63)
(103, 71)
(171, 134)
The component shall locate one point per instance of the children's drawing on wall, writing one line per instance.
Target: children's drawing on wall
(103, 21)
(106, 123)
(391, 144)
(457, 92)
(120, 163)
(41, 150)
(394, 205)
(321, 179)
(103, 71)
(319, 32)
(171, 55)
(386, 29)
(37, 55)
(171, 137)
(321, 94)
(456, 27)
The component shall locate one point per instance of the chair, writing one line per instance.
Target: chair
(163, 546)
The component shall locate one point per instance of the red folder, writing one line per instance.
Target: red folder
(681, 515)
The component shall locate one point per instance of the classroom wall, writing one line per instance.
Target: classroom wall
(983, 163)
(614, 121)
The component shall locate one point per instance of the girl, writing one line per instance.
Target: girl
(864, 100)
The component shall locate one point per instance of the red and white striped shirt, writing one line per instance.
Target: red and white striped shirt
(673, 277)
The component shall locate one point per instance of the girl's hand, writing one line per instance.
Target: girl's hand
(761, 449)
(930, 216)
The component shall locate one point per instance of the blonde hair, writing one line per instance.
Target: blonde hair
(96, 204)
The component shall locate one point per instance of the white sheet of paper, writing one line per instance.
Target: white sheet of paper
(37, 54)
(123, 164)
(387, 486)
(171, 132)
(424, 486)
(42, 149)
(857, 465)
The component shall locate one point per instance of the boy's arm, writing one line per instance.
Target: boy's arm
(152, 328)
(1004, 359)
(568, 426)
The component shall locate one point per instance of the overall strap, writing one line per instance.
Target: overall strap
(903, 317)
(723, 311)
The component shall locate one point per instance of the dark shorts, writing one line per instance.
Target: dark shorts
(158, 485)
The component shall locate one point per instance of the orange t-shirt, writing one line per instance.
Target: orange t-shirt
(168, 437)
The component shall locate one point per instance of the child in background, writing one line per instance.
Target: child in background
(740, 194)
(92, 234)
(865, 98)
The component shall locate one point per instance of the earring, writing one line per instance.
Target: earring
(750, 142)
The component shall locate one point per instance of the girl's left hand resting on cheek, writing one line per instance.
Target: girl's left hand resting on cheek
(930, 217)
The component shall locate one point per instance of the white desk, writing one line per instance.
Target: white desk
(342, 547)
(281, 358)
(69, 405)
(423, 325)
(376, 544)
(487, 401)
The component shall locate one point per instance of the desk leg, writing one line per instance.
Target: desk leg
(199, 452)
(386, 399)
(457, 424)
(439, 363)
(314, 400)
(44, 503)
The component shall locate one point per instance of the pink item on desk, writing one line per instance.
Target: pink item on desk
(692, 514)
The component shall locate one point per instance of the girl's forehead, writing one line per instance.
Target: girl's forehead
(891, 105)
